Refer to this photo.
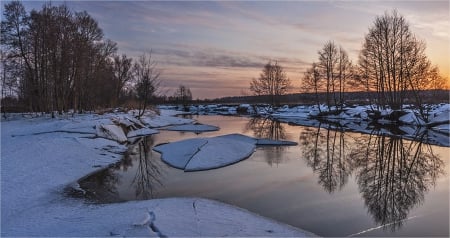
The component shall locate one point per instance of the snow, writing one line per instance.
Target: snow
(123, 121)
(361, 118)
(212, 152)
(411, 119)
(111, 132)
(142, 132)
(184, 151)
(197, 128)
(440, 115)
(40, 157)
(219, 152)
(157, 121)
(443, 128)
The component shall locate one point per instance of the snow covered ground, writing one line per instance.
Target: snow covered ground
(409, 123)
(40, 157)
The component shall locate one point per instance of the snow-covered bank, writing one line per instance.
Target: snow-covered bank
(430, 125)
(41, 156)
(407, 124)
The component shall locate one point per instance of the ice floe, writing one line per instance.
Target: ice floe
(212, 152)
(142, 132)
(157, 121)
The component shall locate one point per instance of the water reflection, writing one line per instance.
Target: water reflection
(266, 128)
(148, 172)
(103, 185)
(263, 127)
(327, 154)
(392, 173)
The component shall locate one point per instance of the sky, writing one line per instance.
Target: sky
(216, 48)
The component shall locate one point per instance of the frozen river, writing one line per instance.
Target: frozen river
(333, 183)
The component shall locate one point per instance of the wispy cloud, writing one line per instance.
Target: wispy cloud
(206, 58)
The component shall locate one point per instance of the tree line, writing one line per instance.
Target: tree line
(392, 63)
(55, 59)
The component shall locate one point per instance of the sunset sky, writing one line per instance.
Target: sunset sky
(216, 48)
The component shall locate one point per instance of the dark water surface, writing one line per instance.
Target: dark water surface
(334, 183)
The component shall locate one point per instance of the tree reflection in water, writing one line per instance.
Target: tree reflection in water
(102, 186)
(263, 127)
(327, 154)
(148, 172)
(392, 173)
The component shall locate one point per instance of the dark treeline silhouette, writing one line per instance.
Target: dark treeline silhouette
(55, 59)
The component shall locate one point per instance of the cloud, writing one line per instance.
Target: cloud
(205, 57)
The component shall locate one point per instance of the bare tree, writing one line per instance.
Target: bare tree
(436, 80)
(272, 82)
(393, 60)
(344, 75)
(183, 95)
(147, 81)
(122, 67)
(311, 82)
(328, 58)
(335, 70)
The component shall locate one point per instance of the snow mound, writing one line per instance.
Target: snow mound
(111, 132)
(411, 119)
(142, 132)
(123, 122)
(211, 153)
(197, 128)
(440, 115)
(163, 120)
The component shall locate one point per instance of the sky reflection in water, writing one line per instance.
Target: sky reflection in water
(334, 183)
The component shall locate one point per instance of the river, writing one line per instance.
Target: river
(333, 183)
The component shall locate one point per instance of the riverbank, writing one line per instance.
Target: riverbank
(42, 156)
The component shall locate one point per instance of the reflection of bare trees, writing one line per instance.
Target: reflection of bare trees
(394, 174)
(266, 128)
(147, 173)
(269, 129)
(103, 186)
(326, 153)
